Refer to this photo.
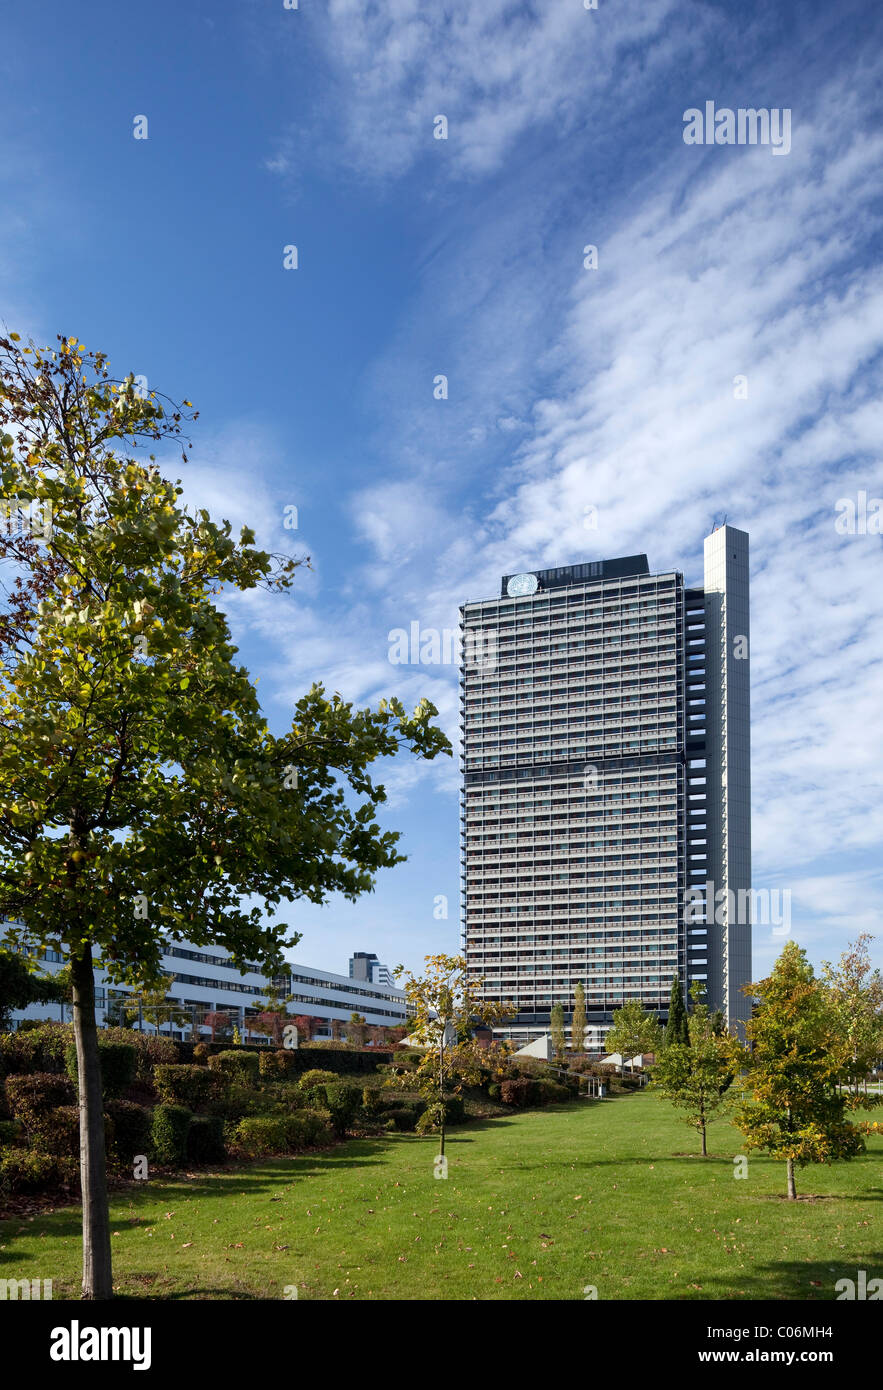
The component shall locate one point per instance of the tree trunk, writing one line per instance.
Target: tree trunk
(792, 1190)
(97, 1278)
(441, 1094)
(704, 1145)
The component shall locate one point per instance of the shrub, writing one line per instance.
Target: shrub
(307, 1129)
(406, 1061)
(402, 1118)
(57, 1131)
(262, 1134)
(343, 1102)
(455, 1110)
(189, 1086)
(10, 1132)
(428, 1119)
(118, 1062)
(520, 1092)
(552, 1091)
(151, 1049)
(235, 1102)
(276, 1065)
(200, 1054)
(24, 1170)
(39, 1049)
(33, 1096)
(205, 1140)
(315, 1077)
(237, 1063)
(372, 1100)
(169, 1134)
(132, 1128)
(493, 1090)
(344, 1060)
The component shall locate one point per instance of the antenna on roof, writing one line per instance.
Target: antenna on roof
(718, 524)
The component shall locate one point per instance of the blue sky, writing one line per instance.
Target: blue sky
(567, 388)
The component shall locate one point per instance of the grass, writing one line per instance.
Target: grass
(540, 1204)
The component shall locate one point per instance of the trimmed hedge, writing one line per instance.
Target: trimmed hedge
(235, 1102)
(402, 1117)
(132, 1130)
(205, 1140)
(10, 1132)
(343, 1101)
(520, 1092)
(23, 1170)
(35, 1049)
(43, 1049)
(277, 1065)
(372, 1100)
(190, 1086)
(118, 1062)
(58, 1132)
(238, 1064)
(34, 1095)
(308, 1129)
(315, 1077)
(260, 1135)
(169, 1134)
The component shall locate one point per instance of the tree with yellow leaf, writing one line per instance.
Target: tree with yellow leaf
(444, 1007)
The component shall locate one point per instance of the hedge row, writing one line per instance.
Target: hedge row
(44, 1049)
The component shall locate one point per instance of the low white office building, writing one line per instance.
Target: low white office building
(205, 982)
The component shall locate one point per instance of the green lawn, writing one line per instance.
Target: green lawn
(536, 1205)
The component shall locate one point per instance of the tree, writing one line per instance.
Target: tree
(355, 1030)
(634, 1031)
(556, 1031)
(142, 794)
(677, 1028)
(578, 1022)
(696, 1078)
(306, 1026)
(856, 992)
(22, 985)
(271, 1015)
(446, 1006)
(155, 1006)
(793, 1067)
(220, 1021)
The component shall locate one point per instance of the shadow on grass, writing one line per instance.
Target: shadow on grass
(792, 1281)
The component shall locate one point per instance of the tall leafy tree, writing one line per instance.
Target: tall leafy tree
(557, 1032)
(677, 1028)
(696, 1078)
(578, 1022)
(271, 1014)
(444, 1006)
(22, 984)
(142, 795)
(856, 991)
(634, 1030)
(794, 1065)
(356, 1029)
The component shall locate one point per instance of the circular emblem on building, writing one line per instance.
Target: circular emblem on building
(522, 584)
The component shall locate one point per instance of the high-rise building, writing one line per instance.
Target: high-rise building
(606, 787)
(364, 965)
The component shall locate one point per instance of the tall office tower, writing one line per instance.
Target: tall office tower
(605, 728)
